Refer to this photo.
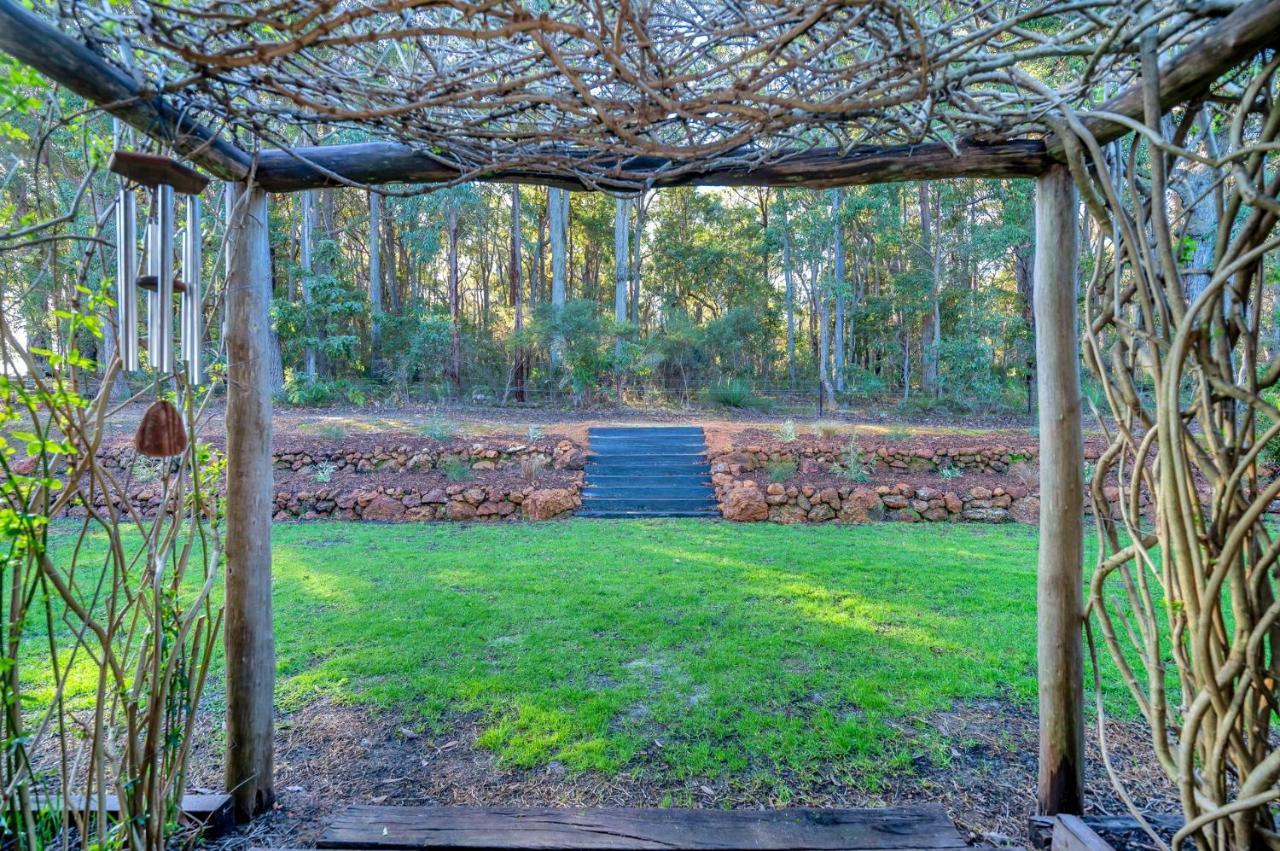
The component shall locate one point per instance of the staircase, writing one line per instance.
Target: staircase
(648, 472)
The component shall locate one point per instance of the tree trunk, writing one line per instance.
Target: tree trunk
(790, 290)
(824, 332)
(929, 330)
(375, 277)
(304, 253)
(455, 301)
(250, 645)
(642, 214)
(839, 285)
(621, 267)
(1060, 575)
(558, 202)
(517, 294)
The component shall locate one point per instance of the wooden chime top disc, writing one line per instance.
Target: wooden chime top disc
(152, 170)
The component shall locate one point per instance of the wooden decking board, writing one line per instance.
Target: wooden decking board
(415, 828)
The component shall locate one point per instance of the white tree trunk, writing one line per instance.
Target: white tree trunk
(790, 296)
(558, 202)
(308, 269)
(621, 263)
(375, 276)
(839, 284)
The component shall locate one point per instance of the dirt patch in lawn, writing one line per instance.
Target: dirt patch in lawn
(329, 757)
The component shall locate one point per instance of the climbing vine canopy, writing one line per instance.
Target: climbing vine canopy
(591, 90)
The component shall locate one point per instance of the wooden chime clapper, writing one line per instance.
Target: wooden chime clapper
(163, 177)
(161, 433)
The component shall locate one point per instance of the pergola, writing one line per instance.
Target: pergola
(620, 97)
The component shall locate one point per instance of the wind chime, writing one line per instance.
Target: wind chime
(161, 433)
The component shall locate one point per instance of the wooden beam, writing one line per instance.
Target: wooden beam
(1072, 834)
(390, 162)
(250, 645)
(405, 828)
(33, 41)
(1060, 577)
(1235, 39)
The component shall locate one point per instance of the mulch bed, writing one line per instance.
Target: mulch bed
(330, 756)
(889, 478)
(346, 481)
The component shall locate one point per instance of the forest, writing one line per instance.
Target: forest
(916, 294)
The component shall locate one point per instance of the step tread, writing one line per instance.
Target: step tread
(422, 827)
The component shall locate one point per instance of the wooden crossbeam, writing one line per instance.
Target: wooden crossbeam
(821, 168)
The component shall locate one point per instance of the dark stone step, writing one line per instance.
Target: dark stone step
(645, 468)
(622, 456)
(636, 515)
(643, 431)
(647, 446)
(696, 479)
(630, 491)
(657, 503)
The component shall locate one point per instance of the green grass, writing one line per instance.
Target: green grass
(763, 651)
(755, 653)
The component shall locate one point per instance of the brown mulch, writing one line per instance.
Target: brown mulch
(887, 477)
(347, 480)
(331, 756)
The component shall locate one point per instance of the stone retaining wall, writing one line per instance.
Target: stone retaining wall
(469, 501)
(745, 500)
(812, 457)
(480, 456)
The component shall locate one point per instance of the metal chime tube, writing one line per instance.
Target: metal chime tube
(160, 265)
(127, 278)
(192, 260)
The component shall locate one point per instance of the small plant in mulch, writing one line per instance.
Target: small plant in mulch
(535, 433)
(829, 429)
(455, 469)
(332, 432)
(850, 464)
(780, 471)
(438, 429)
(1029, 474)
(950, 472)
(531, 466)
(787, 431)
(324, 472)
(146, 469)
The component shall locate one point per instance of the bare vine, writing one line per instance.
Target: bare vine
(1184, 593)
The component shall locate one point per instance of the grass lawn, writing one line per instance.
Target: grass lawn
(686, 649)
(705, 649)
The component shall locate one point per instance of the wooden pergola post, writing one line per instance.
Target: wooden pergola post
(250, 643)
(1060, 575)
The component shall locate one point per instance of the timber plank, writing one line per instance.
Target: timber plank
(212, 813)
(1118, 830)
(367, 827)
